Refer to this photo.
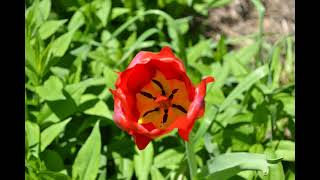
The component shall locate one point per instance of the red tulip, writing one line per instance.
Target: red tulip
(154, 95)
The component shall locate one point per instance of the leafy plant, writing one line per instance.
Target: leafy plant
(73, 51)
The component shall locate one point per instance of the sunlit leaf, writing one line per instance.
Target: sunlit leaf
(143, 162)
(51, 90)
(86, 164)
(228, 165)
(50, 27)
(50, 133)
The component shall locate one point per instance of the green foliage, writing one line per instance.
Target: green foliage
(229, 164)
(143, 162)
(50, 133)
(73, 51)
(86, 163)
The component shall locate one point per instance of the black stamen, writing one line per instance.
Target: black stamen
(165, 116)
(179, 107)
(160, 86)
(172, 93)
(146, 113)
(148, 95)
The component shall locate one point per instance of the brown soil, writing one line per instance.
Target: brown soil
(241, 18)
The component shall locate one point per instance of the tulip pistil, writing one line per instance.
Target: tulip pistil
(161, 101)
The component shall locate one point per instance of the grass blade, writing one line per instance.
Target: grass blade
(244, 85)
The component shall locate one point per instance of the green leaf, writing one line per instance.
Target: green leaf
(261, 12)
(284, 149)
(110, 76)
(241, 137)
(99, 109)
(31, 57)
(218, 3)
(76, 90)
(81, 52)
(61, 44)
(221, 49)
(131, 40)
(36, 14)
(143, 161)
(211, 147)
(260, 119)
(244, 85)
(103, 167)
(118, 11)
(214, 95)
(198, 50)
(183, 24)
(156, 174)
(86, 164)
(229, 164)
(289, 64)
(52, 160)
(247, 53)
(50, 175)
(239, 118)
(50, 133)
(104, 11)
(201, 8)
(60, 72)
(236, 67)
(45, 6)
(275, 170)
(276, 67)
(168, 159)
(220, 72)
(290, 175)
(50, 27)
(32, 137)
(288, 102)
(62, 108)
(77, 20)
(51, 90)
(256, 148)
(210, 114)
(124, 166)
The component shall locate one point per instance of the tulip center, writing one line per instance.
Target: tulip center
(162, 101)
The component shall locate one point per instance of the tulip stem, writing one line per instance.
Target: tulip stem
(191, 160)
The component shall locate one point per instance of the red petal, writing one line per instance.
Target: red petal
(195, 111)
(144, 57)
(141, 141)
(184, 134)
(166, 51)
(148, 126)
(119, 117)
(132, 80)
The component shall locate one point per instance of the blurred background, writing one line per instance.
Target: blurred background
(73, 49)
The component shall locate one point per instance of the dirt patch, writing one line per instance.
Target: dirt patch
(241, 18)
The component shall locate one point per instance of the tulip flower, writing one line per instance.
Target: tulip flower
(154, 95)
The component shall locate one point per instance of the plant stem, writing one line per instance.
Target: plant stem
(191, 160)
(261, 11)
